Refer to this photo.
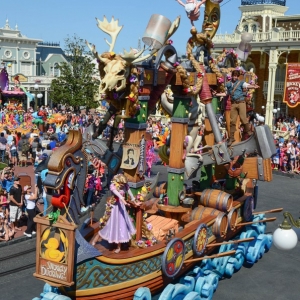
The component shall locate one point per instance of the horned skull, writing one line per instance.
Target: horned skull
(116, 72)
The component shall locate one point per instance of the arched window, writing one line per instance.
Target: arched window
(56, 72)
(246, 28)
(254, 28)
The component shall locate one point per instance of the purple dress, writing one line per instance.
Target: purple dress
(119, 228)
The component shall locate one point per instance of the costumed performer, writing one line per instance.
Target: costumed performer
(151, 156)
(192, 9)
(119, 227)
(237, 90)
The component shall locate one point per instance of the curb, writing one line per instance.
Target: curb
(290, 175)
(25, 238)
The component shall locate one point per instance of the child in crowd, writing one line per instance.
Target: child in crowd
(4, 203)
(284, 163)
(275, 158)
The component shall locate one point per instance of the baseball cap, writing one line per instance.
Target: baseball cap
(16, 178)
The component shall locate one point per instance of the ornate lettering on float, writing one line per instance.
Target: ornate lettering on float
(53, 270)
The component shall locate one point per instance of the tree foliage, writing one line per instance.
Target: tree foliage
(77, 84)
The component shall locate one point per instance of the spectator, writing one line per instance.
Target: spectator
(52, 143)
(48, 150)
(4, 203)
(30, 199)
(3, 142)
(7, 179)
(35, 144)
(15, 204)
(13, 153)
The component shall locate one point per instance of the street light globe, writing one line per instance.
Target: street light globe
(36, 86)
(285, 239)
(263, 107)
(278, 109)
(40, 95)
(274, 110)
(246, 37)
(33, 95)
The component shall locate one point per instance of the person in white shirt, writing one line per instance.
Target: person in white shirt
(30, 199)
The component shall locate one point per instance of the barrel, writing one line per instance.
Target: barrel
(232, 218)
(201, 212)
(161, 189)
(216, 199)
(219, 228)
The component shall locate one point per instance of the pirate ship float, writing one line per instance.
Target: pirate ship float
(187, 225)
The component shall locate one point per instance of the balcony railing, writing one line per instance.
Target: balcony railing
(272, 36)
(279, 87)
(255, 2)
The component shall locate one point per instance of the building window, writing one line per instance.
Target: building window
(26, 54)
(56, 72)
(254, 28)
(246, 29)
(8, 53)
(26, 68)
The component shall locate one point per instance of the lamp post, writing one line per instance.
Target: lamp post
(284, 237)
(275, 111)
(263, 111)
(37, 95)
(36, 88)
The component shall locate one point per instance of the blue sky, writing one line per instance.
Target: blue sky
(54, 20)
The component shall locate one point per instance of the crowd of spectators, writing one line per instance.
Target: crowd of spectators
(19, 205)
(287, 141)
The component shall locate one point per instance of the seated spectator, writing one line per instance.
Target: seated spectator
(48, 150)
(45, 142)
(52, 143)
(6, 232)
(4, 203)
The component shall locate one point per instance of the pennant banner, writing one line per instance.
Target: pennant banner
(292, 85)
(131, 156)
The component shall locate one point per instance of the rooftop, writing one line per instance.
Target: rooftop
(255, 2)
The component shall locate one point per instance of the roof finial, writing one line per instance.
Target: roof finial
(16, 27)
(7, 24)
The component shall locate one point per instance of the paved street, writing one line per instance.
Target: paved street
(275, 276)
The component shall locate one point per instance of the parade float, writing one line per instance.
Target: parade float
(210, 227)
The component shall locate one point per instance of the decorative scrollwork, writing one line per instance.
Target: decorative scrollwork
(97, 275)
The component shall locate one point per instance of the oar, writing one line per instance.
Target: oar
(269, 211)
(231, 242)
(211, 256)
(259, 221)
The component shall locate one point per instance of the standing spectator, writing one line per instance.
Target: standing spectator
(35, 144)
(15, 204)
(30, 199)
(13, 153)
(275, 158)
(7, 179)
(3, 142)
(9, 137)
